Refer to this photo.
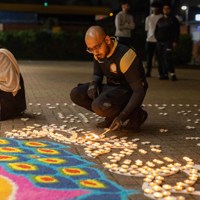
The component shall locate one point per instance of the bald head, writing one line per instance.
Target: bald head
(98, 42)
(95, 33)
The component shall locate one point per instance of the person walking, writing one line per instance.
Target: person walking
(150, 25)
(124, 24)
(121, 97)
(167, 35)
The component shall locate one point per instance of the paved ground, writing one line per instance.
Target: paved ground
(173, 107)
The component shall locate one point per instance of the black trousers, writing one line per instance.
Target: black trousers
(165, 56)
(109, 103)
(12, 106)
(150, 51)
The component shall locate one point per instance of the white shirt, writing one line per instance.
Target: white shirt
(124, 23)
(150, 25)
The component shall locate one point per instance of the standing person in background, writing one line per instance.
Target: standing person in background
(124, 24)
(167, 34)
(150, 25)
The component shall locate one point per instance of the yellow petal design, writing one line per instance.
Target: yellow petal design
(7, 189)
(22, 166)
(91, 183)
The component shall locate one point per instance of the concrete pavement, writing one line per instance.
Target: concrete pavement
(173, 121)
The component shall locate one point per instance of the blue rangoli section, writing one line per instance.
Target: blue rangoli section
(49, 165)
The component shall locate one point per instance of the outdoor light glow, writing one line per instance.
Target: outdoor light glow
(46, 4)
(111, 14)
(184, 7)
(197, 17)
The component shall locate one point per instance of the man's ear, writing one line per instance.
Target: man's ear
(107, 39)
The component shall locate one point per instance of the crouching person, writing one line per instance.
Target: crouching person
(119, 99)
(12, 91)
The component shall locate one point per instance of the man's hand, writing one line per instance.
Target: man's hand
(93, 90)
(117, 122)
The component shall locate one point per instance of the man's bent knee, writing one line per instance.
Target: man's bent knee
(100, 108)
(75, 95)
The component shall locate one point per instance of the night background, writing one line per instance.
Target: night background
(61, 23)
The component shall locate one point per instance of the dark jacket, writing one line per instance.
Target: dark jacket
(167, 29)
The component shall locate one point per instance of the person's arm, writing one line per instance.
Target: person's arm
(146, 24)
(119, 25)
(130, 24)
(138, 85)
(97, 78)
(133, 71)
(97, 75)
(156, 31)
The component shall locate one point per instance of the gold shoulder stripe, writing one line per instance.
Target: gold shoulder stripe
(127, 60)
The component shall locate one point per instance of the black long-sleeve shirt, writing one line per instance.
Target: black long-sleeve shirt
(123, 67)
(167, 29)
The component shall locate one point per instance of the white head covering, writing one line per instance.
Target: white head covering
(9, 72)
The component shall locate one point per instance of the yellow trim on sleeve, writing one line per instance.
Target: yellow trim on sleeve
(127, 60)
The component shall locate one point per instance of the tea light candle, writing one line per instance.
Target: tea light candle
(147, 180)
(168, 159)
(178, 188)
(128, 153)
(167, 187)
(150, 164)
(127, 161)
(190, 189)
(177, 164)
(189, 182)
(193, 178)
(193, 171)
(121, 155)
(138, 162)
(113, 161)
(115, 168)
(166, 171)
(166, 193)
(134, 166)
(187, 159)
(124, 166)
(133, 172)
(174, 169)
(180, 184)
(159, 182)
(156, 188)
(180, 198)
(150, 176)
(144, 171)
(122, 170)
(160, 178)
(148, 191)
(169, 198)
(157, 194)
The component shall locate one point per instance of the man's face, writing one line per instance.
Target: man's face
(99, 47)
(166, 10)
(126, 7)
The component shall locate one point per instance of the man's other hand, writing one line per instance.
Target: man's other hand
(93, 90)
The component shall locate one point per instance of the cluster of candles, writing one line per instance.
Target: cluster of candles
(156, 187)
(119, 153)
(119, 162)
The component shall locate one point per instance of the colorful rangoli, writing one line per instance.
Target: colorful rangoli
(46, 170)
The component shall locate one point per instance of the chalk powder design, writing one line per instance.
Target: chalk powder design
(40, 170)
